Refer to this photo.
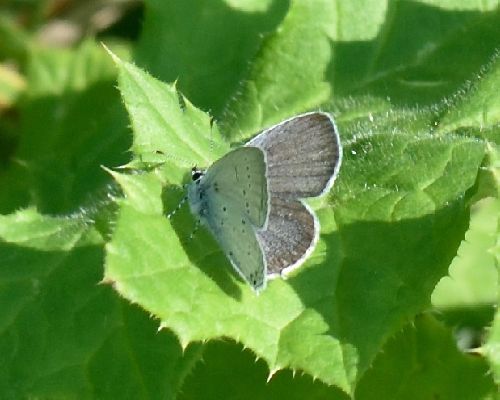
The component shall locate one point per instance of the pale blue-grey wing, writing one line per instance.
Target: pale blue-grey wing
(303, 155)
(238, 240)
(232, 201)
(291, 234)
(239, 178)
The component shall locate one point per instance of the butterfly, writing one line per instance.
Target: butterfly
(251, 198)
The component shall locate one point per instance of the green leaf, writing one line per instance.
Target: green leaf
(473, 277)
(412, 364)
(491, 347)
(466, 299)
(205, 46)
(401, 191)
(477, 105)
(190, 292)
(155, 278)
(401, 211)
(413, 56)
(288, 74)
(183, 135)
(62, 334)
(59, 112)
(221, 359)
(29, 229)
(473, 5)
(417, 56)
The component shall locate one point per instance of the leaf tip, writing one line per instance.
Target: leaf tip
(106, 281)
(271, 373)
(184, 344)
(162, 326)
(109, 171)
(114, 175)
(115, 58)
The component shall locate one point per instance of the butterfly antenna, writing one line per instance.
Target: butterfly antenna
(174, 211)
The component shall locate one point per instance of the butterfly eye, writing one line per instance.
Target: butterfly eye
(196, 174)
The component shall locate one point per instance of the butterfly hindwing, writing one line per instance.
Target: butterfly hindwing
(291, 232)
